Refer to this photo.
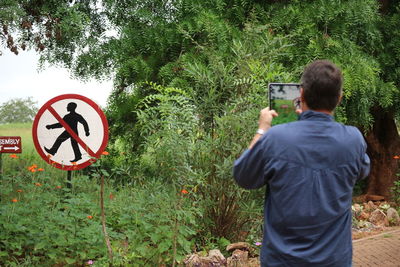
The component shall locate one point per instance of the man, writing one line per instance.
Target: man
(72, 119)
(310, 167)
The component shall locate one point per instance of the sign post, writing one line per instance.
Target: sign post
(9, 144)
(70, 132)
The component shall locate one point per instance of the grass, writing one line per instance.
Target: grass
(29, 156)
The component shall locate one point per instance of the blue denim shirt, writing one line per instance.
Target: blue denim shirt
(310, 167)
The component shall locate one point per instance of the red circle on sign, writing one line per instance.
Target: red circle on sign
(94, 154)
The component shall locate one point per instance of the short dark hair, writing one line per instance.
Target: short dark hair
(322, 85)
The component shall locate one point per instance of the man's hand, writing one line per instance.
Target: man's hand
(265, 120)
(87, 133)
(48, 127)
(264, 123)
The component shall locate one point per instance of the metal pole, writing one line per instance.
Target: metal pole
(1, 168)
(1, 164)
(69, 179)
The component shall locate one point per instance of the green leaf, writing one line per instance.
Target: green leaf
(69, 260)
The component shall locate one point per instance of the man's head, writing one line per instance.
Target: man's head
(322, 85)
(71, 106)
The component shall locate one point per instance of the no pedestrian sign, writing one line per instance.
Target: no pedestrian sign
(70, 131)
(10, 144)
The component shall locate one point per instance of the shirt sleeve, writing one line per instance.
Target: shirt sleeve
(365, 164)
(248, 169)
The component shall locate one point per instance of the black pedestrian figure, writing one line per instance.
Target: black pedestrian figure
(72, 120)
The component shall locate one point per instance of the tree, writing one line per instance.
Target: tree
(18, 110)
(363, 39)
(181, 43)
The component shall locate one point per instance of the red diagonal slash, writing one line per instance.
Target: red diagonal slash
(71, 132)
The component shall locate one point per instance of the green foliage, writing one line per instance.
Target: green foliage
(18, 110)
(61, 231)
(192, 135)
(348, 33)
(156, 224)
(396, 191)
(148, 225)
(190, 78)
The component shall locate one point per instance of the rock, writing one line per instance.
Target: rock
(240, 258)
(370, 206)
(357, 208)
(364, 216)
(393, 216)
(254, 262)
(192, 260)
(379, 218)
(374, 198)
(214, 258)
(238, 245)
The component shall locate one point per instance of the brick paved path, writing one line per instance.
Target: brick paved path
(381, 250)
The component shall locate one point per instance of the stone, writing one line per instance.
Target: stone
(374, 198)
(364, 216)
(370, 206)
(379, 218)
(254, 262)
(214, 258)
(357, 208)
(193, 260)
(238, 245)
(393, 216)
(239, 258)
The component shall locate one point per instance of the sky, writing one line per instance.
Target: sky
(20, 78)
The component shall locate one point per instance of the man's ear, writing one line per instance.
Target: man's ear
(302, 95)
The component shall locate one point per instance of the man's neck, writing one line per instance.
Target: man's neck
(305, 108)
(325, 111)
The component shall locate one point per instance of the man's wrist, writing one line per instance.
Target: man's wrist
(261, 131)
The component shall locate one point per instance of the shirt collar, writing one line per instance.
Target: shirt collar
(315, 116)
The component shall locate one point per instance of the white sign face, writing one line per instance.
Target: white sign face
(70, 131)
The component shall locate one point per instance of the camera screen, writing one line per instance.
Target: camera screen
(285, 99)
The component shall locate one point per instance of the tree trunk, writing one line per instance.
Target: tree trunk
(383, 144)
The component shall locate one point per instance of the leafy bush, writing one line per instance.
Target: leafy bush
(396, 191)
(47, 223)
(43, 224)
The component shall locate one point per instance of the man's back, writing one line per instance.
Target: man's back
(310, 167)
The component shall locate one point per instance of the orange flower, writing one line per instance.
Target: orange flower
(40, 169)
(19, 190)
(105, 153)
(396, 157)
(74, 163)
(184, 191)
(14, 200)
(90, 217)
(38, 184)
(32, 168)
(111, 196)
(48, 156)
(58, 186)
(13, 156)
